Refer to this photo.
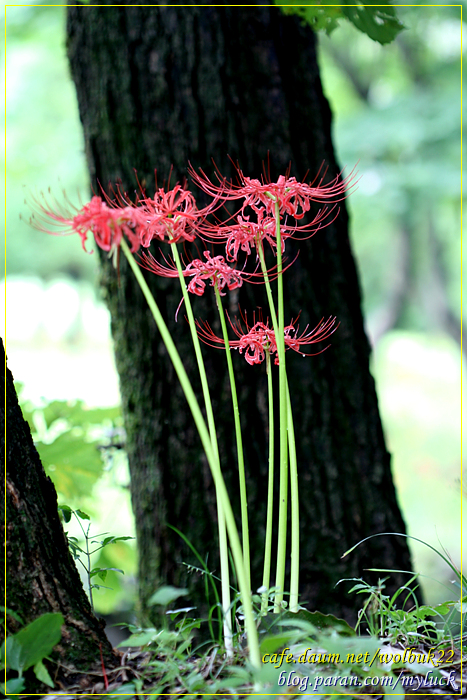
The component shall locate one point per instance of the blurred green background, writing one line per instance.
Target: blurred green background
(397, 111)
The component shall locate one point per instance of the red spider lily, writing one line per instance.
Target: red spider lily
(246, 234)
(214, 269)
(107, 222)
(243, 235)
(260, 338)
(172, 216)
(293, 197)
(169, 216)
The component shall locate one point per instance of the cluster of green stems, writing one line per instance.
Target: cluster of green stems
(226, 521)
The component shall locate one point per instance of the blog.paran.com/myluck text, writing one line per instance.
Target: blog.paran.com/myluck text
(410, 683)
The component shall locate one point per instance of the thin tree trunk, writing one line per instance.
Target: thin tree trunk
(158, 87)
(41, 574)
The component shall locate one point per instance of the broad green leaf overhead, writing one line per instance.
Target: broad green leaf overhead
(379, 21)
(68, 437)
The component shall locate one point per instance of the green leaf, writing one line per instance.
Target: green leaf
(102, 572)
(140, 639)
(105, 541)
(42, 674)
(75, 549)
(77, 415)
(379, 22)
(82, 515)
(166, 595)
(271, 643)
(35, 641)
(424, 611)
(124, 692)
(317, 17)
(73, 464)
(347, 647)
(66, 512)
(322, 622)
(11, 654)
(14, 686)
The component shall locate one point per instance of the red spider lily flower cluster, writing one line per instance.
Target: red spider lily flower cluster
(214, 269)
(245, 234)
(260, 339)
(293, 199)
(172, 216)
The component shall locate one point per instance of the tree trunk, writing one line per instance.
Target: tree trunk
(41, 574)
(158, 87)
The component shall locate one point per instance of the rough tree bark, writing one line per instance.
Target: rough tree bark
(41, 573)
(158, 87)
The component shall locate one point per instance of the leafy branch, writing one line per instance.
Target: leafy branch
(379, 21)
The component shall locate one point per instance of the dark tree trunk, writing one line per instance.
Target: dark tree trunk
(159, 86)
(41, 574)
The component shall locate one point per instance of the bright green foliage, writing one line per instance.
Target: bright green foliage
(81, 450)
(29, 647)
(379, 22)
(71, 441)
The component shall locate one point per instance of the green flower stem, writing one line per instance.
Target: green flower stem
(295, 517)
(278, 325)
(223, 548)
(225, 578)
(283, 478)
(238, 434)
(269, 512)
(250, 626)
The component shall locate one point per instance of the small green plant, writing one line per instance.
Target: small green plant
(83, 556)
(388, 616)
(385, 620)
(28, 648)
